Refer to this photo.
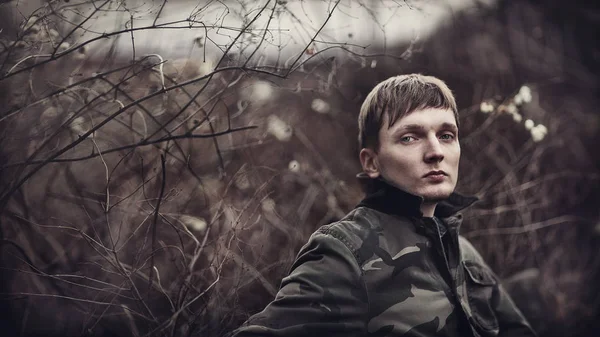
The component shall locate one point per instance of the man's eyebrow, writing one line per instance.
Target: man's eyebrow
(418, 127)
(450, 126)
(412, 127)
(408, 128)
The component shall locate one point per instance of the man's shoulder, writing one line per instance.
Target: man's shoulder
(468, 251)
(352, 230)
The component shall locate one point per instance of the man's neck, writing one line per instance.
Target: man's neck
(428, 209)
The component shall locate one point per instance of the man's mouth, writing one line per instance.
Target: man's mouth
(435, 173)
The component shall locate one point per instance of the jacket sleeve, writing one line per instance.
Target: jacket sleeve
(324, 295)
(511, 322)
(510, 319)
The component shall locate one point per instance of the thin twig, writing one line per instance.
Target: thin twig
(312, 39)
(156, 210)
(159, 12)
(525, 228)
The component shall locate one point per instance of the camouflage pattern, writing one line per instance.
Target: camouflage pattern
(383, 271)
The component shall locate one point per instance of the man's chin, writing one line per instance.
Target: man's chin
(436, 196)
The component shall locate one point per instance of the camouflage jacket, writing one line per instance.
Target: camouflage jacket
(384, 270)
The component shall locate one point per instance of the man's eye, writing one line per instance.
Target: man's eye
(447, 136)
(407, 139)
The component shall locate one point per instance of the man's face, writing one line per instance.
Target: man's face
(419, 154)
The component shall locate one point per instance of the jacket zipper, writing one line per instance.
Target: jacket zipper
(453, 279)
(441, 246)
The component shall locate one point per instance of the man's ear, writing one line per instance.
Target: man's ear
(369, 162)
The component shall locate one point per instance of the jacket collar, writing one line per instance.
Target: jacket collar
(388, 199)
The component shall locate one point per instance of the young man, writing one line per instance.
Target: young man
(396, 265)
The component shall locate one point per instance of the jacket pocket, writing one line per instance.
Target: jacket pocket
(481, 286)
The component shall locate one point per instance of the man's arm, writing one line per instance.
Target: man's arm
(510, 319)
(324, 295)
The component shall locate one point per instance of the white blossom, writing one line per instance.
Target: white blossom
(542, 128)
(50, 112)
(32, 20)
(257, 91)
(294, 166)
(517, 117)
(486, 107)
(185, 68)
(525, 90)
(373, 63)
(525, 94)
(511, 109)
(268, 205)
(262, 91)
(537, 134)
(529, 124)
(63, 46)
(80, 54)
(53, 33)
(192, 222)
(278, 128)
(518, 99)
(206, 67)
(320, 106)
(34, 29)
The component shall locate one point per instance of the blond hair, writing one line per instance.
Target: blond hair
(397, 97)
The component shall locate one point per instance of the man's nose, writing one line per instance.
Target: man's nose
(433, 153)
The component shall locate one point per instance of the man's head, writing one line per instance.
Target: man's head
(408, 132)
